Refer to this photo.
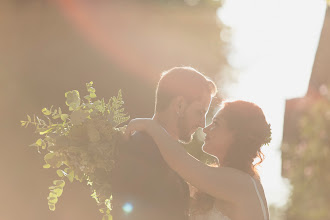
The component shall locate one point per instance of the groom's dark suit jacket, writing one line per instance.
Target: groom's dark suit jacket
(145, 186)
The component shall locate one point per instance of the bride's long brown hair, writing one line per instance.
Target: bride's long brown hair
(251, 131)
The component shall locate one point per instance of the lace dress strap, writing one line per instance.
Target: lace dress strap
(260, 199)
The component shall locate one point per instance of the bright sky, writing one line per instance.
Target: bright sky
(273, 45)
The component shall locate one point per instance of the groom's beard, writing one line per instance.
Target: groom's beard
(184, 132)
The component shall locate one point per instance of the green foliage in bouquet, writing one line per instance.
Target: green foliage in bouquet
(82, 146)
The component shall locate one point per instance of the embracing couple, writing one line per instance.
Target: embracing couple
(153, 171)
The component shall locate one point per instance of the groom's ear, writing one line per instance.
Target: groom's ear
(180, 105)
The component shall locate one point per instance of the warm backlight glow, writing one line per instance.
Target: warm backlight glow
(273, 45)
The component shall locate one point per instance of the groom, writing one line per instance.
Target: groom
(144, 187)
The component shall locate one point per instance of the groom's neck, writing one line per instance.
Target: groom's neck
(168, 123)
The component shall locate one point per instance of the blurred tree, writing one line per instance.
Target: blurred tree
(276, 212)
(306, 145)
(309, 164)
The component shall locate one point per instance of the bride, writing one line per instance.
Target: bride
(234, 137)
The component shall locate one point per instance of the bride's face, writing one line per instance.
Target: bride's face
(218, 137)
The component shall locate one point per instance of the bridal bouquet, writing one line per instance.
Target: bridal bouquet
(82, 145)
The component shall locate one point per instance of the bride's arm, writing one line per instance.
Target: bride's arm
(223, 183)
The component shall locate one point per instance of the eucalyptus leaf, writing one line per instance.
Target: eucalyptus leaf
(46, 166)
(70, 177)
(64, 117)
(45, 111)
(72, 100)
(60, 173)
(58, 192)
(59, 183)
(45, 132)
(59, 164)
(107, 217)
(53, 199)
(52, 207)
(92, 95)
(52, 194)
(43, 145)
(39, 142)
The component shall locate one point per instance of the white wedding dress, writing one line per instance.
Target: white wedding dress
(215, 214)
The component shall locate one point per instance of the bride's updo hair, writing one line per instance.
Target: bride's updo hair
(251, 131)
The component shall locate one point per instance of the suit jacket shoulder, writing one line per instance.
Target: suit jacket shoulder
(142, 178)
(142, 144)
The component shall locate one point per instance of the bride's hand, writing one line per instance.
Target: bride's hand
(138, 124)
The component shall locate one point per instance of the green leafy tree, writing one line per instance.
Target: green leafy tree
(309, 164)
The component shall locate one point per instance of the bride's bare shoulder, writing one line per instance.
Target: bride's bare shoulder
(234, 173)
(239, 181)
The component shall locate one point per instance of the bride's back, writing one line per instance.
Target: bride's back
(252, 207)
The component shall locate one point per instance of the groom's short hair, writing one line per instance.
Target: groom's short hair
(182, 81)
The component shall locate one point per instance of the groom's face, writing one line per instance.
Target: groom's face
(193, 118)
